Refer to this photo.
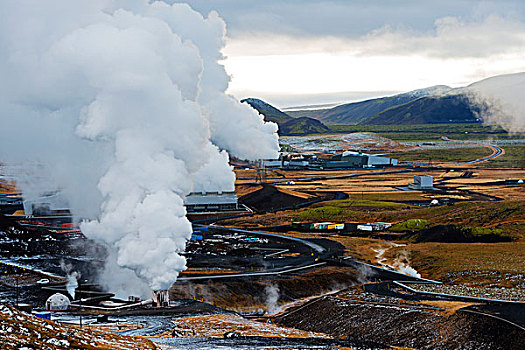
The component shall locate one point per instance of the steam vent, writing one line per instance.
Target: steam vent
(161, 298)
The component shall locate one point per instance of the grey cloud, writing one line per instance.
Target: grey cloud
(452, 37)
(349, 19)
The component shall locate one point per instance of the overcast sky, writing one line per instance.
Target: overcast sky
(293, 52)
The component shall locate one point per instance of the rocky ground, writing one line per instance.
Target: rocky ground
(355, 315)
(22, 331)
(511, 294)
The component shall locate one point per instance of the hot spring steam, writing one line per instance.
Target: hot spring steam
(121, 105)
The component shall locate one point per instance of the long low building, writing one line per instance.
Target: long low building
(211, 201)
(358, 159)
(11, 203)
(342, 160)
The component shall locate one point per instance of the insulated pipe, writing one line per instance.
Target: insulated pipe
(123, 307)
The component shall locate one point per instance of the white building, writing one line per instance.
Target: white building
(374, 160)
(57, 302)
(272, 163)
(422, 182)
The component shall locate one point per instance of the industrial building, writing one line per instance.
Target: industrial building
(10, 203)
(342, 160)
(351, 159)
(211, 201)
(49, 204)
(55, 205)
(422, 182)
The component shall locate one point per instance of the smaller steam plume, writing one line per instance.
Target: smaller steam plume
(402, 264)
(72, 278)
(272, 297)
(365, 274)
(501, 100)
(72, 283)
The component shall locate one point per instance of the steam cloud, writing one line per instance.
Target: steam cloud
(121, 105)
(501, 99)
(402, 264)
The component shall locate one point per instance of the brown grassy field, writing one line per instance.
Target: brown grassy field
(373, 197)
(494, 264)
(383, 187)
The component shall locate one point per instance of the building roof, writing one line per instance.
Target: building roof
(198, 198)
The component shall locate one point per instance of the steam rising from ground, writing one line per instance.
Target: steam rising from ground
(72, 278)
(502, 100)
(272, 298)
(402, 264)
(123, 109)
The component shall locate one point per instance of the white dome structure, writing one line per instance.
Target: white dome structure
(57, 302)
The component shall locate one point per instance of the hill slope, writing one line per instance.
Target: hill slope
(302, 126)
(434, 105)
(359, 112)
(270, 113)
(287, 124)
(428, 110)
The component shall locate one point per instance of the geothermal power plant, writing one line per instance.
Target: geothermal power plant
(144, 206)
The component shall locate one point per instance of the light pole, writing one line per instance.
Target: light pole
(16, 277)
(80, 309)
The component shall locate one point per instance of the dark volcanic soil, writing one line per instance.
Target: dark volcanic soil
(258, 293)
(269, 198)
(387, 320)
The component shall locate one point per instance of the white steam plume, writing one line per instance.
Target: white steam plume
(122, 106)
(402, 264)
(501, 100)
(72, 278)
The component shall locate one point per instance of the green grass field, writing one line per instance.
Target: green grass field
(348, 209)
(422, 132)
(445, 155)
(514, 157)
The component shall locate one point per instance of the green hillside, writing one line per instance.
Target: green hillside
(359, 112)
(302, 126)
(427, 110)
(269, 112)
(287, 124)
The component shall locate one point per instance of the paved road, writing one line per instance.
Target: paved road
(272, 272)
(148, 325)
(320, 251)
(496, 151)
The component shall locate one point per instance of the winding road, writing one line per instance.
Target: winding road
(496, 151)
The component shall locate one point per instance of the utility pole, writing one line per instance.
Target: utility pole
(16, 289)
(80, 308)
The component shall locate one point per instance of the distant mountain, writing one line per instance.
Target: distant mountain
(287, 124)
(359, 112)
(428, 110)
(433, 105)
